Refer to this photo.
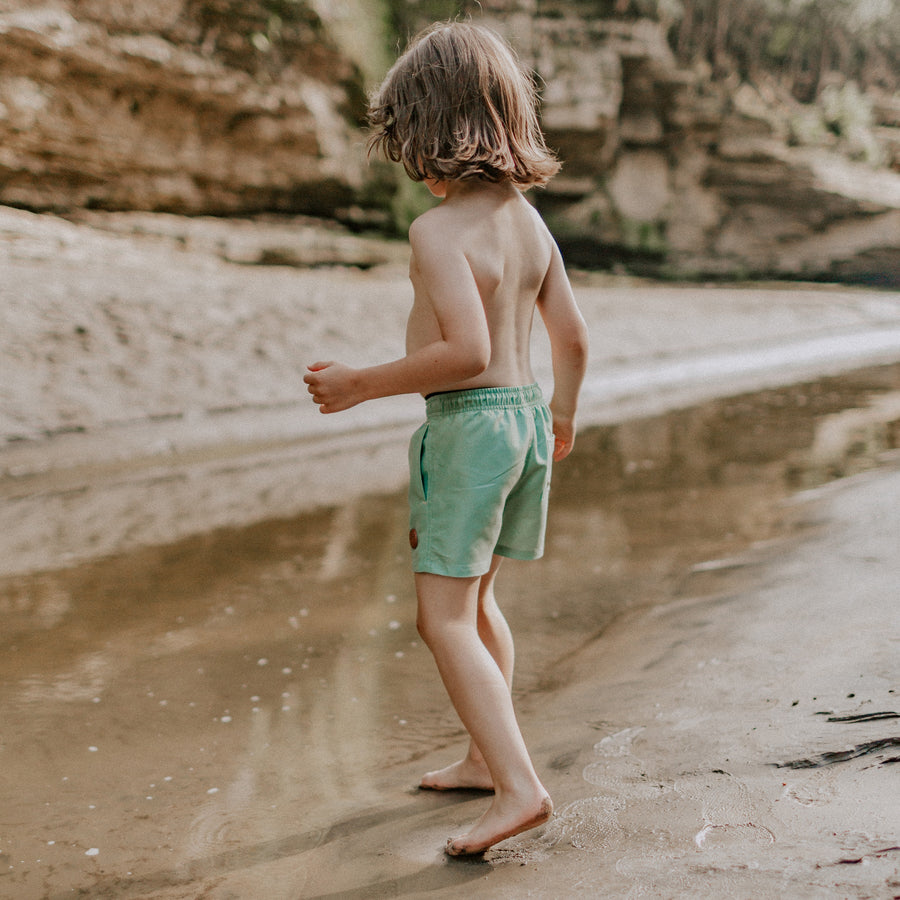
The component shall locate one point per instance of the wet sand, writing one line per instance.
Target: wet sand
(210, 680)
(247, 712)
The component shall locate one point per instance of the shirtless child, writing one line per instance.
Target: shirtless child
(460, 114)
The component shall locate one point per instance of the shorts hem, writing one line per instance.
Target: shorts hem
(471, 571)
(524, 555)
(451, 571)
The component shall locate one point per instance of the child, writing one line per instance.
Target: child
(460, 114)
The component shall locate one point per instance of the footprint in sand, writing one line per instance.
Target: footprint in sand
(727, 811)
(815, 788)
(588, 824)
(592, 823)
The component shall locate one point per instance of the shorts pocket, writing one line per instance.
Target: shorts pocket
(418, 477)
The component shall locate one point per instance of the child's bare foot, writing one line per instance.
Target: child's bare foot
(498, 824)
(463, 775)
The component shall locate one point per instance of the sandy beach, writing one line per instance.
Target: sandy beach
(210, 680)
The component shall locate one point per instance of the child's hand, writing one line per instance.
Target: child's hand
(333, 386)
(563, 438)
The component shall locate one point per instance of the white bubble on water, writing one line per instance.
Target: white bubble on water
(213, 791)
(393, 625)
(262, 662)
(92, 749)
(92, 852)
(286, 670)
(225, 719)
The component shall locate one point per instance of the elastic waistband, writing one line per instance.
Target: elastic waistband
(483, 398)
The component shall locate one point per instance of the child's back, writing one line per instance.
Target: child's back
(493, 231)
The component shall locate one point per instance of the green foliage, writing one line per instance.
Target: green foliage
(845, 110)
(409, 18)
(848, 114)
(364, 31)
(256, 35)
(644, 237)
(801, 41)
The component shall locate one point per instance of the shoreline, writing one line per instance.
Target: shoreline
(156, 481)
(165, 398)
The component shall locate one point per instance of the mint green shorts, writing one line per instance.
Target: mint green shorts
(479, 479)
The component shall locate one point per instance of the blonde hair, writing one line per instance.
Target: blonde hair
(457, 104)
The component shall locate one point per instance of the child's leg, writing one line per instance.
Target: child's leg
(448, 623)
(472, 772)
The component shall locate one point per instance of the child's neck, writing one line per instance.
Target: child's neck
(472, 187)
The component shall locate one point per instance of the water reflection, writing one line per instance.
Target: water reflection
(248, 684)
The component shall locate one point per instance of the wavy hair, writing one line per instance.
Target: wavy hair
(457, 104)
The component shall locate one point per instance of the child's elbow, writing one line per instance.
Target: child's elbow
(481, 362)
(581, 349)
(476, 360)
(575, 346)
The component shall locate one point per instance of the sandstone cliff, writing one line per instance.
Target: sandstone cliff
(226, 107)
(189, 106)
(667, 171)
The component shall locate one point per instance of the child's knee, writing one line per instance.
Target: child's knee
(422, 626)
(429, 624)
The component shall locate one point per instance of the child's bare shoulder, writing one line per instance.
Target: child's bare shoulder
(433, 231)
(425, 224)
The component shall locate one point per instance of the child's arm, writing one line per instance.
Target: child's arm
(463, 350)
(568, 348)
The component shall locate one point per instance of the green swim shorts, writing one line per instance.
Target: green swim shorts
(479, 479)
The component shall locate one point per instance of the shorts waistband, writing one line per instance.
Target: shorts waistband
(442, 404)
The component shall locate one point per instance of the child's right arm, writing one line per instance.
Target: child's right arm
(461, 350)
(569, 350)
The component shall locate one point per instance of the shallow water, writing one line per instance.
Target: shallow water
(186, 711)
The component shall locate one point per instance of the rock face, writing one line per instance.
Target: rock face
(230, 107)
(669, 173)
(189, 106)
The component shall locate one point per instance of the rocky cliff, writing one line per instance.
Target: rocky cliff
(227, 107)
(667, 171)
(189, 106)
